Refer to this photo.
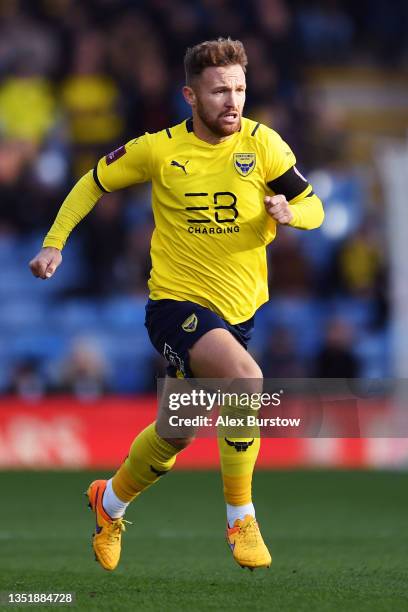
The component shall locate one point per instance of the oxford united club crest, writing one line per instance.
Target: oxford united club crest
(190, 324)
(244, 163)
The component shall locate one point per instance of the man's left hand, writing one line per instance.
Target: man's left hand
(278, 208)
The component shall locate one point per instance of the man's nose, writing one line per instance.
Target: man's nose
(231, 101)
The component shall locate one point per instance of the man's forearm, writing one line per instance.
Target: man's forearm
(308, 213)
(78, 203)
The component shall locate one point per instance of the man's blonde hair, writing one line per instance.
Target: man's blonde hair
(220, 52)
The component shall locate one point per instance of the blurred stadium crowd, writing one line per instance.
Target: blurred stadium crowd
(80, 78)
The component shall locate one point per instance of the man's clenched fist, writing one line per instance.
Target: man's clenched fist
(278, 208)
(45, 262)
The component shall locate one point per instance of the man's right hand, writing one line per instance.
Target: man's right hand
(45, 262)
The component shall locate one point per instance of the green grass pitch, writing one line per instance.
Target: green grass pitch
(339, 541)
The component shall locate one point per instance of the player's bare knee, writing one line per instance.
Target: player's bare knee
(180, 443)
(249, 369)
(249, 376)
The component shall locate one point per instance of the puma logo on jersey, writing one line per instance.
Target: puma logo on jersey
(178, 165)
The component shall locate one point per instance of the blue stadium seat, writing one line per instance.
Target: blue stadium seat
(75, 315)
(303, 316)
(19, 314)
(129, 354)
(359, 312)
(373, 350)
(124, 313)
(39, 343)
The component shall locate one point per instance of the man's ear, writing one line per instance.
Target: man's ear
(189, 95)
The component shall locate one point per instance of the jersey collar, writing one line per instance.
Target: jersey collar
(190, 130)
(189, 125)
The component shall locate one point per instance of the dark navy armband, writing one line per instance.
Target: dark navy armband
(290, 184)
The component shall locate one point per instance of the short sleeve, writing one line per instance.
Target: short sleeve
(279, 155)
(129, 164)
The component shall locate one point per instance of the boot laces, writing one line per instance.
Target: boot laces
(249, 531)
(118, 526)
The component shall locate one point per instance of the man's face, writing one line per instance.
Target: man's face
(219, 98)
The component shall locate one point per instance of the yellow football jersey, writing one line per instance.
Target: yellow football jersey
(211, 227)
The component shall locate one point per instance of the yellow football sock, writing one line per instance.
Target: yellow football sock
(237, 457)
(149, 458)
